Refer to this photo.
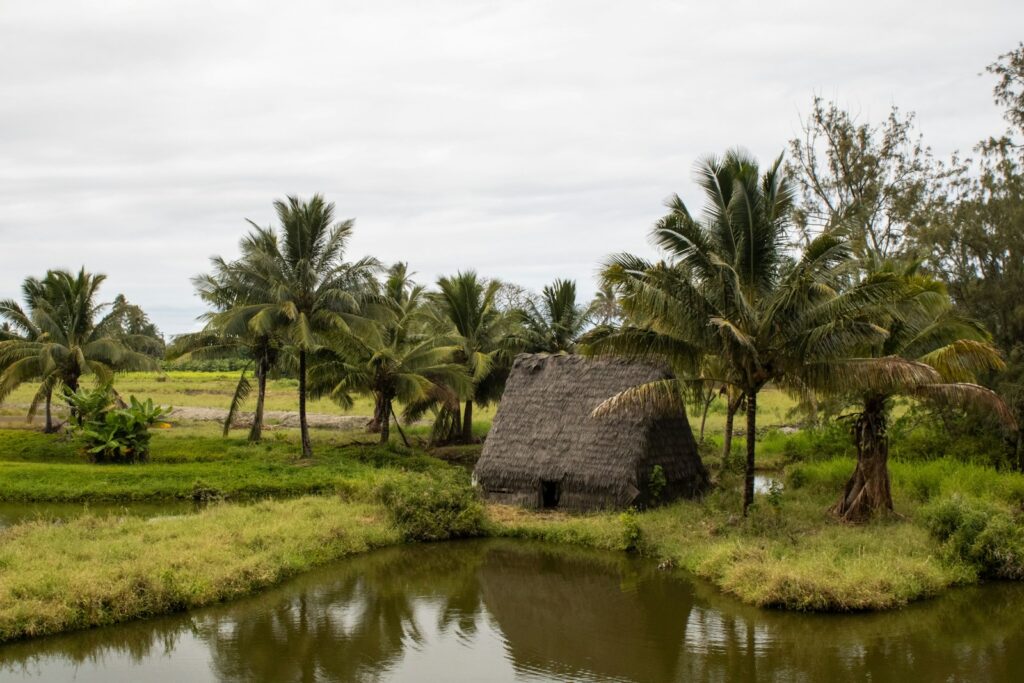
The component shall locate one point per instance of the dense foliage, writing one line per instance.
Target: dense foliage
(110, 430)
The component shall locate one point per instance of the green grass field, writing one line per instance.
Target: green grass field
(194, 462)
(215, 389)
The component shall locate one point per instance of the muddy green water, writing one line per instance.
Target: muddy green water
(516, 611)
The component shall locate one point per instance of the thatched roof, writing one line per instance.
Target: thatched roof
(544, 430)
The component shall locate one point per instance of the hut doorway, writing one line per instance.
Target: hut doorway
(550, 492)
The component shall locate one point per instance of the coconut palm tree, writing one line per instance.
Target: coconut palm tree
(400, 308)
(390, 353)
(605, 308)
(466, 306)
(729, 289)
(129, 322)
(921, 326)
(307, 287)
(227, 333)
(59, 338)
(19, 326)
(554, 325)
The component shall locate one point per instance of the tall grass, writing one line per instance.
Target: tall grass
(98, 570)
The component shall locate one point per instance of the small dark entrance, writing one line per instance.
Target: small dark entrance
(550, 492)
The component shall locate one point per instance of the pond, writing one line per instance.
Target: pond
(15, 513)
(516, 611)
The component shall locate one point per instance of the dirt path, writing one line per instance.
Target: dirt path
(280, 418)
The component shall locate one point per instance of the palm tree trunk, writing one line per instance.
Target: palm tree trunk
(71, 382)
(376, 423)
(455, 433)
(385, 425)
(467, 423)
(868, 492)
(256, 433)
(727, 437)
(398, 425)
(48, 429)
(307, 447)
(704, 416)
(748, 478)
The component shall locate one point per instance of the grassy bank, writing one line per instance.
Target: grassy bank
(958, 524)
(101, 570)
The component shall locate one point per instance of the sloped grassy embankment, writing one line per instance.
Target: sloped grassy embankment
(957, 524)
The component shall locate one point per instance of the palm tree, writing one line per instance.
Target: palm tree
(129, 323)
(467, 306)
(556, 324)
(227, 333)
(605, 308)
(59, 339)
(390, 353)
(921, 327)
(400, 307)
(730, 290)
(19, 326)
(308, 288)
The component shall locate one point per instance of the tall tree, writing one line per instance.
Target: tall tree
(466, 304)
(390, 353)
(129, 323)
(879, 180)
(729, 290)
(553, 324)
(310, 289)
(952, 351)
(977, 246)
(227, 332)
(605, 308)
(62, 338)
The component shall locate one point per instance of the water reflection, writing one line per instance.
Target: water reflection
(503, 611)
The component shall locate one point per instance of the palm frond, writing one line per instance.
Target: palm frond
(662, 397)
(968, 397)
(242, 391)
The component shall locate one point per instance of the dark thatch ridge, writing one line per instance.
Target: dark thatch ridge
(544, 432)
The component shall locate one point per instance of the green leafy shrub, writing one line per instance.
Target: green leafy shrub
(432, 508)
(203, 492)
(981, 534)
(109, 432)
(632, 534)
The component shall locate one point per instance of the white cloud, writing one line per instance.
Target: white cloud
(525, 139)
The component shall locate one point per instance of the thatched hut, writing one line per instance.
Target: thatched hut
(545, 449)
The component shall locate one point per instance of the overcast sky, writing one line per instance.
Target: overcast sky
(526, 140)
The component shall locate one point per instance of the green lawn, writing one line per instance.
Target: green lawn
(215, 389)
(194, 462)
